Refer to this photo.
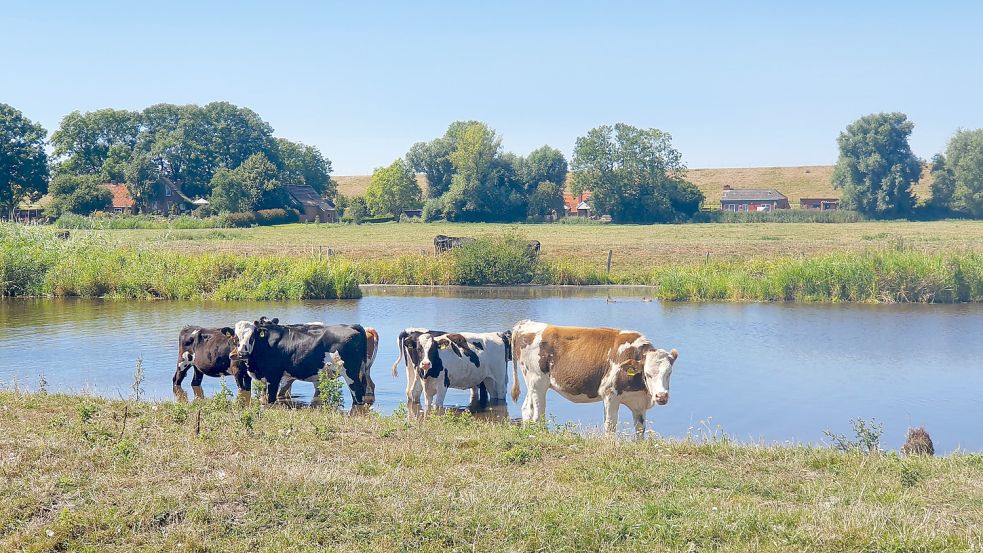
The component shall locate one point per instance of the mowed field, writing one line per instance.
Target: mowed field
(634, 246)
(807, 181)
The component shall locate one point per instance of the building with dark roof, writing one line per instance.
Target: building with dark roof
(752, 199)
(312, 206)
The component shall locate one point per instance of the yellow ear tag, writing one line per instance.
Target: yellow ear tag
(442, 345)
(262, 334)
(630, 368)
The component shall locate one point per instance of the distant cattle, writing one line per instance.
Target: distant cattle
(588, 365)
(206, 351)
(301, 352)
(443, 243)
(532, 249)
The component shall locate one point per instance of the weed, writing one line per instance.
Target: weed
(329, 390)
(867, 437)
(138, 377)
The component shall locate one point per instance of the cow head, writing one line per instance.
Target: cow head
(424, 351)
(658, 370)
(245, 334)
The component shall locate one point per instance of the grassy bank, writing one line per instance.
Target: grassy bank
(34, 263)
(87, 473)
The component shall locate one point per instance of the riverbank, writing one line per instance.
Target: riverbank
(35, 263)
(86, 472)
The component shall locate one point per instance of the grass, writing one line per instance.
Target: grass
(33, 263)
(84, 473)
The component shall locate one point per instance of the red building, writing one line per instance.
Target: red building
(576, 205)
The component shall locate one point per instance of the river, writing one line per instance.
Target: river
(763, 373)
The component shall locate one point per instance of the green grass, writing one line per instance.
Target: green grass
(34, 263)
(255, 479)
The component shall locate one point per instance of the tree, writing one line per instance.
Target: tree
(229, 193)
(544, 164)
(634, 175)
(79, 194)
(303, 164)
(876, 168)
(547, 198)
(433, 160)
(943, 184)
(474, 194)
(964, 156)
(393, 189)
(142, 175)
(83, 140)
(23, 161)
(356, 210)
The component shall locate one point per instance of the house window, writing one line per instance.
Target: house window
(167, 191)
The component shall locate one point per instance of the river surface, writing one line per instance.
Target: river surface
(764, 373)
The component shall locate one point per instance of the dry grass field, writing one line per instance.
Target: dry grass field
(795, 182)
(87, 474)
(634, 246)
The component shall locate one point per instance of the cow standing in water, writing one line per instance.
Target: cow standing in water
(301, 352)
(587, 365)
(286, 385)
(206, 351)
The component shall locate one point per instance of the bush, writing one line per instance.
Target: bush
(433, 210)
(780, 216)
(502, 260)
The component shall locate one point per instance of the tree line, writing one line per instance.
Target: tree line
(230, 156)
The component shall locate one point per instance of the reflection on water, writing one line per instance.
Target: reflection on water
(771, 372)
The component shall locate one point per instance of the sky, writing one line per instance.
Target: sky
(737, 84)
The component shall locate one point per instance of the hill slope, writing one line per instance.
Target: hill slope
(804, 181)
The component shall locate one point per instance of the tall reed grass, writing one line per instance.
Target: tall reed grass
(34, 263)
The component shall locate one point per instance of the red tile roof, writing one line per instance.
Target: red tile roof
(572, 201)
(121, 195)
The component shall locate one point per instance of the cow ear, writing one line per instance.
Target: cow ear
(275, 321)
(673, 355)
(255, 323)
(228, 332)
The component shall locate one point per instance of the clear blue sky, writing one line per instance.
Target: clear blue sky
(736, 85)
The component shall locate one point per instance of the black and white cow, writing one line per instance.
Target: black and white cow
(436, 361)
(206, 351)
(301, 352)
(372, 343)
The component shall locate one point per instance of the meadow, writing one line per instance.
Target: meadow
(923, 262)
(84, 473)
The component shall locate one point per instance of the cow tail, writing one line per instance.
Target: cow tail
(399, 346)
(515, 367)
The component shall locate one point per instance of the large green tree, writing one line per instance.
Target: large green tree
(544, 164)
(964, 156)
(433, 159)
(23, 161)
(79, 194)
(634, 175)
(303, 164)
(142, 175)
(943, 183)
(480, 187)
(83, 140)
(252, 185)
(876, 168)
(393, 189)
(545, 199)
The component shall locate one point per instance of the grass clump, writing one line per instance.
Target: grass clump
(271, 480)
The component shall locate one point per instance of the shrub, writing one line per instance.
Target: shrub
(502, 260)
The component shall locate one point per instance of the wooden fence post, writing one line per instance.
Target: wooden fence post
(610, 253)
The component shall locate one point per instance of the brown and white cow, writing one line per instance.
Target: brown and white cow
(587, 365)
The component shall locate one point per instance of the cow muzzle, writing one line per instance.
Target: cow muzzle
(662, 398)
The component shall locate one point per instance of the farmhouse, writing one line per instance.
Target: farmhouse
(577, 205)
(122, 202)
(31, 212)
(822, 204)
(752, 199)
(313, 206)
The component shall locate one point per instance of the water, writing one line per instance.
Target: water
(761, 372)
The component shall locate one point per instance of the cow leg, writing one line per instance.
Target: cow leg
(286, 387)
(639, 418)
(243, 381)
(272, 388)
(180, 373)
(197, 378)
(611, 406)
(413, 388)
(539, 388)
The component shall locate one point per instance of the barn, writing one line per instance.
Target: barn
(822, 204)
(312, 206)
(752, 199)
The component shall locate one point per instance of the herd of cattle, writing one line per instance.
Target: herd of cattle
(584, 365)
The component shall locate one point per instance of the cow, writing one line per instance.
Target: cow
(372, 339)
(301, 351)
(437, 361)
(587, 365)
(443, 243)
(532, 249)
(206, 350)
(406, 345)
